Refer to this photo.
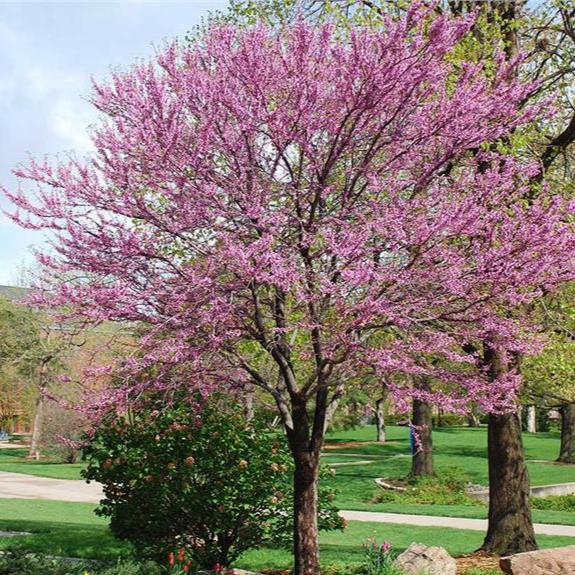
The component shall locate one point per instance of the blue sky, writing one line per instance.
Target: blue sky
(49, 50)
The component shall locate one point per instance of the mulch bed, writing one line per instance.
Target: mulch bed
(477, 560)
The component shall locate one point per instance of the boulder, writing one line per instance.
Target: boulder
(557, 561)
(419, 558)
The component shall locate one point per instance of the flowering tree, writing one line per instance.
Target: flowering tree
(546, 36)
(291, 210)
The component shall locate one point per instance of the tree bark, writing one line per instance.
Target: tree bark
(249, 402)
(380, 415)
(567, 450)
(422, 459)
(473, 419)
(531, 419)
(510, 527)
(34, 452)
(306, 546)
(380, 419)
(305, 439)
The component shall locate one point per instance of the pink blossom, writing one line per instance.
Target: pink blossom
(294, 210)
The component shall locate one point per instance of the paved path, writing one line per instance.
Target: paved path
(7, 445)
(455, 522)
(347, 463)
(18, 485)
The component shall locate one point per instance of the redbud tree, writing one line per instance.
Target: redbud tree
(293, 210)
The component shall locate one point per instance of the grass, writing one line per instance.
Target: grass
(346, 548)
(59, 528)
(14, 461)
(72, 530)
(453, 447)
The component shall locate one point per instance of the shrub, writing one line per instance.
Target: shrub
(18, 563)
(554, 503)
(14, 562)
(62, 433)
(445, 488)
(128, 568)
(212, 483)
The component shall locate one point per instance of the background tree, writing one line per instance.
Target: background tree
(550, 375)
(18, 341)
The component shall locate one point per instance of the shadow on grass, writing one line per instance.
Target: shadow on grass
(13, 455)
(66, 540)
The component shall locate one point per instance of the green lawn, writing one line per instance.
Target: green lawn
(453, 447)
(14, 460)
(72, 530)
(59, 528)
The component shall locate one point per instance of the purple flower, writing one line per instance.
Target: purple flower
(385, 547)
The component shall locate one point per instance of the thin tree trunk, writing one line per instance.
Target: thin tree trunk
(473, 419)
(380, 415)
(531, 419)
(510, 527)
(34, 452)
(249, 402)
(567, 451)
(380, 419)
(422, 459)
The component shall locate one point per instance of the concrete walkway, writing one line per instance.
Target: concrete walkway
(7, 445)
(454, 522)
(20, 486)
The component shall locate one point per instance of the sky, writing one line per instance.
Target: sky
(49, 51)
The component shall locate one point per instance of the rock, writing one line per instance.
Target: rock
(557, 561)
(419, 558)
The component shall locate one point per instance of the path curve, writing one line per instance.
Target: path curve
(21, 486)
(454, 522)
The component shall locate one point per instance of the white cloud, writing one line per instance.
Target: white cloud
(69, 120)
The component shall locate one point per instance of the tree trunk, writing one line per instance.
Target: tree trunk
(473, 419)
(531, 419)
(306, 546)
(510, 528)
(305, 439)
(380, 414)
(567, 451)
(422, 459)
(249, 402)
(380, 419)
(34, 452)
